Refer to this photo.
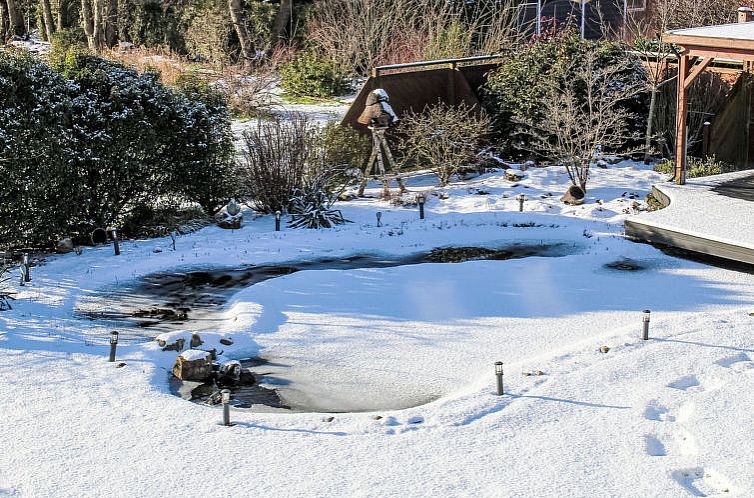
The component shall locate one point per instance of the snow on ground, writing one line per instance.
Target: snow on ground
(322, 111)
(667, 417)
(697, 209)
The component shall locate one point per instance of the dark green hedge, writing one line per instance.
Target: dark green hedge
(86, 144)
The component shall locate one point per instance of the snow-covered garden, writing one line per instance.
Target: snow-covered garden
(394, 366)
(226, 291)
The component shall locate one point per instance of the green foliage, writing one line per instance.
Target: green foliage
(311, 74)
(204, 148)
(344, 146)
(85, 146)
(696, 167)
(209, 33)
(452, 41)
(38, 193)
(63, 42)
(517, 89)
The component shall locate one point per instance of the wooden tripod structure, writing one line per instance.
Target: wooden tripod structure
(701, 46)
(381, 154)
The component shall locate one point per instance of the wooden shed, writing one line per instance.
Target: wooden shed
(414, 86)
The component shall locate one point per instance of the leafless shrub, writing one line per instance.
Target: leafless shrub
(444, 138)
(585, 116)
(275, 158)
(676, 14)
(169, 64)
(361, 34)
(248, 92)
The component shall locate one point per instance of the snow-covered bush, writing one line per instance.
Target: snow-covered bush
(38, 173)
(204, 170)
(83, 147)
(696, 167)
(444, 138)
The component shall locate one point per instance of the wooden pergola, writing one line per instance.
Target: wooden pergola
(699, 47)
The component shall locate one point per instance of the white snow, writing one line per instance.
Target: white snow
(668, 417)
(194, 354)
(696, 209)
(734, 31)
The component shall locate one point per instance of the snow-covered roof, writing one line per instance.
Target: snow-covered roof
(735, 31)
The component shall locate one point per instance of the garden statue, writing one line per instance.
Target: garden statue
(379, 116)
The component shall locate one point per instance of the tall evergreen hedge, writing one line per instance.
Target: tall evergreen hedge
(85, 143)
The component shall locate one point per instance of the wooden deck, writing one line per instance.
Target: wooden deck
(712, 216)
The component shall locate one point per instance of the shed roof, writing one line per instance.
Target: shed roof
(729, 41)
(735, 31)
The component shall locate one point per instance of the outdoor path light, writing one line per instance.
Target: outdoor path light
(226, 406)
(26, 268)
(421, 200)
(499, 375)
(379, 219)
(116, 245)
(277, 220)
(521, 198)
(645, 334)
(113, 345)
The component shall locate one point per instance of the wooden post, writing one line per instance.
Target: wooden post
(452, 84)
(681, 115)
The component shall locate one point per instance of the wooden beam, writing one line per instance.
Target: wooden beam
(697, 71)
(681, 111)
(712, 53)
(709, 42)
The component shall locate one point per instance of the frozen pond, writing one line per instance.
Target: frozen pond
(196, 300)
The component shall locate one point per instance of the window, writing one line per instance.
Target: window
(634, 5)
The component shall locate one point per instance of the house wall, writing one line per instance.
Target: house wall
(600, 15)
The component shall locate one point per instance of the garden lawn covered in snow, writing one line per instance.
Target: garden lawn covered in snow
(397, 363)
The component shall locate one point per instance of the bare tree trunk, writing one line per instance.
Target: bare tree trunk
(92, 21)
(111, 23)
(282, 19)
(16, 18)
(650, 120)
(3, 22)
(98, 6)
(49, 22)
(236, 16)
(63, 18)
(87, 21)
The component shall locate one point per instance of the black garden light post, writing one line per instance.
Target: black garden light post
(645, 320)
(277, 220)
(113, 345)
(26, 268)
(226, 406)
(116, 245)
(521, 198)
(420, 199)
(499, 375)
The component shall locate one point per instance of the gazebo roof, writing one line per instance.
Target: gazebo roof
(729, 40)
